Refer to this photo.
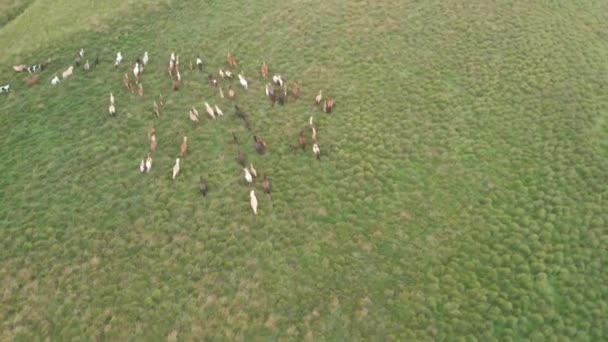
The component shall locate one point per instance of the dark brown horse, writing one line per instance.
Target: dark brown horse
(302, 141)
(260, 144)
(202, 186)
(266, 185)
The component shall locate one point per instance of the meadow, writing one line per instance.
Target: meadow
(461, 194)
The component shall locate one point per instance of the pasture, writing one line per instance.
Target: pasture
(461, 193)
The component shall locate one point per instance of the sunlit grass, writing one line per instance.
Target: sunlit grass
(459, 196)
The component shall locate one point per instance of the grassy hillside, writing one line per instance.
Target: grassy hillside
(461, 194)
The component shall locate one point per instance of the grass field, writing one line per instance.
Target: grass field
(461, 195)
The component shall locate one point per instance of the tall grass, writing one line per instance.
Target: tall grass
(459, 195)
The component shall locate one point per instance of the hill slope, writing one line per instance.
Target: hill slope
(459, 194)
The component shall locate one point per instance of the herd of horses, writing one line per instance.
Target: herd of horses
(277, 91)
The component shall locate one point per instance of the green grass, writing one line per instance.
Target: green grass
(463, 197)
(10, 9)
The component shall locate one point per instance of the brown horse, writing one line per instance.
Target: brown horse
(260, 144)
(202, 186)
(231, 61)
(302, 141)
(33, 81)
(184, 147)
(264, 70)
(295, 91)
(266, 185)
(328, 105)
(212, 79)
